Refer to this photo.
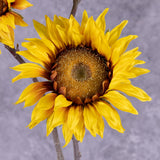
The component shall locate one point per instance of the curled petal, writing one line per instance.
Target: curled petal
(61, 101)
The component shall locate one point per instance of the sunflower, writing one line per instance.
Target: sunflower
(86, 70)
(9, 18)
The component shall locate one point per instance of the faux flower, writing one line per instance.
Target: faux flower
(9, 18)
(86, 70)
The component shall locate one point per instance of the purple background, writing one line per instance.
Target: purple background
(141, 140)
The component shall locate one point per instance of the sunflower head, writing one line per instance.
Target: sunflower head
(86, 69)
(80, 74)
(3, 6)
(9, 18)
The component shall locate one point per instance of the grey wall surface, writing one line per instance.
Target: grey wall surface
(141, 140)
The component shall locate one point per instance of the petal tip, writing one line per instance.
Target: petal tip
(135, 112)
(149, 99)
(122, 130)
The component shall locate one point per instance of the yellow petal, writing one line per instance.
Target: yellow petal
(125, 67)
(34, 92)
(7, 37)
(79, 130)
(8, 19)
(110, 114)
(3, 27)
(41, 30)
(74, 35)
(61, 101)
(74, 115)
(119, 101)
(137, 62)
(93, 121)
(133, 91)
(139, 71)
(120, 46)
(84, 20)
(127, 60)
(62, 32)
(65, 21)
(122, 65)
(100, 21)
(9, 3)
(39, 49)
(57, 118)
(18, 19)
(11, 35)
(88, 31)
(58, 21)
(53, 33)
(118, 81)
(29, 70)
(133, 53)
(43, 109)
(67, 134)
(104, 48)
(116, 32)
(50, 46)
(30, 57)
(21, 4)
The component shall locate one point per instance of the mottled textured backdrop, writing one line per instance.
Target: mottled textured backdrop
(141, 140)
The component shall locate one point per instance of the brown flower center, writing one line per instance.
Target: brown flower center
(3, 6)
(81, 74)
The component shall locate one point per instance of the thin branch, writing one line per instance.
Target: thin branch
(57, 145)
(77, 154)
(55, 133)
(14, 54)
(74, 7)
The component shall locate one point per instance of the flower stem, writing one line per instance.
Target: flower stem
(55, 133)
(57, 145)
(74, 7)
(77, 154)
(14, 54)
